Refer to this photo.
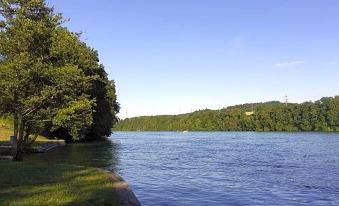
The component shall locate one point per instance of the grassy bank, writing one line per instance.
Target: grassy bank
(47, 184)
(6, 130)
(26, 183)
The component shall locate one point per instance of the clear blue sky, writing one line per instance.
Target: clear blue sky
(175, 56)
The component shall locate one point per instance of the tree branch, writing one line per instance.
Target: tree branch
(6, 11)
(36, 107)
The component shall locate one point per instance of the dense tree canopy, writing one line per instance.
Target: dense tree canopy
(322, 115)
(50, 81)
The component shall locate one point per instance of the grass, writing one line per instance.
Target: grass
(6, 130)
(50, 184)
(5, 133)
(26, 183)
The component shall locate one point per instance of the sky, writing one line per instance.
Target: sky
(178, 56)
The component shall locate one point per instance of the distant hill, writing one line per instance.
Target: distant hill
(321, 115)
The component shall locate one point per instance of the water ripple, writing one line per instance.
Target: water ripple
(225, 168)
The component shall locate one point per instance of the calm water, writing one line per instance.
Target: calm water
(217, 168)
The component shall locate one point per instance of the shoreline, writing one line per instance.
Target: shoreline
(220, 131)
(41, 148)
(47, 146)
(55, 184)
(122, 188)
(124, 192)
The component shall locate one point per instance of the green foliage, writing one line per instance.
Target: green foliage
(322, 115)
(75, 117)
(50, 81)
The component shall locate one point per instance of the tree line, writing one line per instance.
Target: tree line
(321, 115)
(51, 82)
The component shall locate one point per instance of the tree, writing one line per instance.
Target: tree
(33, 84)
(67, 48)
(322, 115)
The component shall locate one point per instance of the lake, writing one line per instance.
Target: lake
(217, 168)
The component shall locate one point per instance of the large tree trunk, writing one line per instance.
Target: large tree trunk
(16, 130)
(16, 125)
(19, 153)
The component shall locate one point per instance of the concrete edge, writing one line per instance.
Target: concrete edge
(46, 146)
(125, 193)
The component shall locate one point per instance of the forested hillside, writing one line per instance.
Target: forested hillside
(321, 115)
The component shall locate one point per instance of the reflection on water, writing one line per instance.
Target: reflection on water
(103, 154)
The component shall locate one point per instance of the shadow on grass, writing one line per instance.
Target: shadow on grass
(48, 184)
